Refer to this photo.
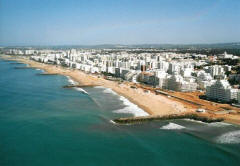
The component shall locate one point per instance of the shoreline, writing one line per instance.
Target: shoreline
(150, 103)
(154, 105)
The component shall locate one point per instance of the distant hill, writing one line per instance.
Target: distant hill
(235, 45)
(185, 46)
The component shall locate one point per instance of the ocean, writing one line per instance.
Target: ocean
(42, 123)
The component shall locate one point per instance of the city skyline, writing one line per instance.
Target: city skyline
(123, 22)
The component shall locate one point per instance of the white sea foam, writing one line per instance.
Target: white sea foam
(99, 87)
(81, 90)
(40, 70)
(130, 108)
(106, 90)
(71, 81)
(111, 121)
(214, 124)
(196, 121)
(172, 126)
(232, 137)
(219, 124)
(110, 91)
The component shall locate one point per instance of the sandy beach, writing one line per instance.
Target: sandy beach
(148, 101)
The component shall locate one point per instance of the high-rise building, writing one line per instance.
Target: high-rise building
(216, 70)
(221, 91)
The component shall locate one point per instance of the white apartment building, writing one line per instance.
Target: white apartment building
(157, 69)
(163, 65)
(174, 68)
(162, 78)
(204, 79)
(215, 70)
(28, 52)
(177, 83)
(221, 91)
(234, 94)
(186, 72)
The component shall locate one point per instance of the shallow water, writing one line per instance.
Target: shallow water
(42, 123)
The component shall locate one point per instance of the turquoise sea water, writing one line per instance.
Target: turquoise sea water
(43, 124)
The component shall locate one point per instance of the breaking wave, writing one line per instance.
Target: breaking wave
(110, 91)
(232, 137)
(196, 121)
(41, 70)
(99, 87)
(214, 124)
(172, 126)
(130, 108)
(106, 90)
(219, 124)
(71, 81)
(111, 121)
(81, 90)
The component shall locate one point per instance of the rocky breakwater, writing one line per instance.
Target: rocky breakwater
(193, 116)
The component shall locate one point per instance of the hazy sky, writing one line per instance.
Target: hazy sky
(43, 22)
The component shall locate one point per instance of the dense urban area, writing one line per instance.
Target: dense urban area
(216, 77)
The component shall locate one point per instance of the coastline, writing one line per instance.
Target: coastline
(149, 102)
(154, 105)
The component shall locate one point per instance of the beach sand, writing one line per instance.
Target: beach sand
(150, 102)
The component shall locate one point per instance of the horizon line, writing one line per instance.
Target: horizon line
(52, 45)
